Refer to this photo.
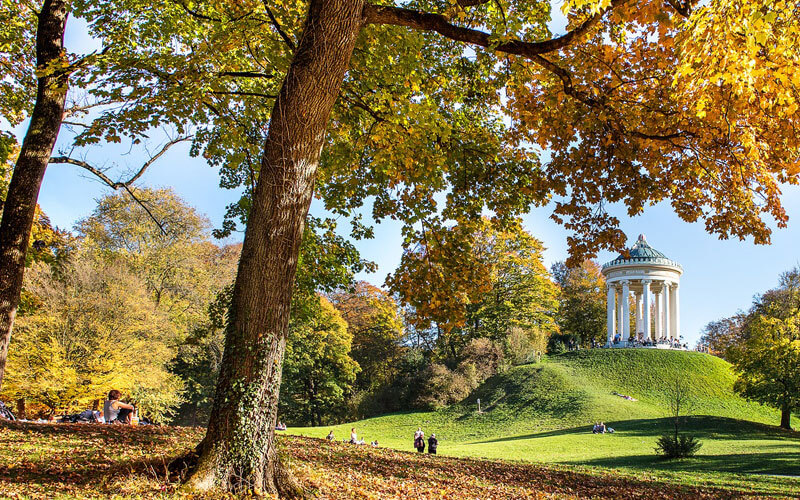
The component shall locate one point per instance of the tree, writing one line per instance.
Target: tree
(37, 72)
(680, 402)
(582, 302)
(19, 206)
(92, 326)
(166, 243)
(372, 319)
(719, 336)
(319, 372)
(474, 281)
(766, 355)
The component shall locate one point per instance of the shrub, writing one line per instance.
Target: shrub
(670, 446)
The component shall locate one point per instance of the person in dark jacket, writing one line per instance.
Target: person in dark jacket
(433, 443)
(419, 443)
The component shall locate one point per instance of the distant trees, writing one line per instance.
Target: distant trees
(582, 302)
(89, 326)
(373, 319)
(318, 372)
(475, 281)
(719, 336)
(764, 347)
(114, 310)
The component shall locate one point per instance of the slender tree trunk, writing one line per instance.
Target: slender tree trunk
(786, 418)
(238, 452)
(23, 191)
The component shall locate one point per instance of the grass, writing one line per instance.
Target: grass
(544, 412)
(86, 461)
(533, 440)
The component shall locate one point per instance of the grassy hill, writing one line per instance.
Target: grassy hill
(543, 413)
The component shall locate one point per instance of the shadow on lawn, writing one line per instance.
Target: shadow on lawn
(701, 426)
(771, 463)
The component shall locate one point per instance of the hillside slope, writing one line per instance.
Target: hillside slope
(544, 412)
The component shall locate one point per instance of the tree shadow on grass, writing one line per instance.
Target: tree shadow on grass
(771, 463)
(701, 426)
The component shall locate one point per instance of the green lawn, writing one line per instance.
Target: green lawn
(544, 412)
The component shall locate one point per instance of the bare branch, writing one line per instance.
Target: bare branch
(120, 184)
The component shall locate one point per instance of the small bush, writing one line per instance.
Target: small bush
(670, 446)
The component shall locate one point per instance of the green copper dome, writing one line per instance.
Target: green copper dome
(643, 253)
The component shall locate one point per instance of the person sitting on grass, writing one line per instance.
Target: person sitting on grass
(330, 437)
(353, 436)
(433, 443)
(374, 444)
(115, 411)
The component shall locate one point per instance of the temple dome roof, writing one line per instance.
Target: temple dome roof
(642, 253)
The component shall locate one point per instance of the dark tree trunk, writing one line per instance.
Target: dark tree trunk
(786, 418)
(238, 452)
(23, 191)
(21, 413)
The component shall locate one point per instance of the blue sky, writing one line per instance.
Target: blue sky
(720, 277)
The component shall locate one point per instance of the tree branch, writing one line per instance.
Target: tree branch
(425, 21)
(126, 184)
(277, 26)
(246, 74)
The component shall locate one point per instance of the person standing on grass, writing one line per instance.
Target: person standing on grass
(419, 441)
(115, 411)
(433, 443)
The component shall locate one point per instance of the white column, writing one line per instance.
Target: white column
(657, 310)
(646, 308)
(676, 312)
(610, 309)
(667, 329)
(639, 328)
(619, 313)
(626, 311)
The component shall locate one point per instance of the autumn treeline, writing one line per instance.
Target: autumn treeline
(136, 296)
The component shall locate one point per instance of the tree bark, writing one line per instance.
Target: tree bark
(786, 418)
(23, 191)
(238, 453)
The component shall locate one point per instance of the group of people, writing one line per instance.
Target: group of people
(353, 439)
(601, 428)
(639, 340)
(419, 442)
(280, 426)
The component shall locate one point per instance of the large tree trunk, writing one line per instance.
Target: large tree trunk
(23, 191)
(786, 418)
(238, 452)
